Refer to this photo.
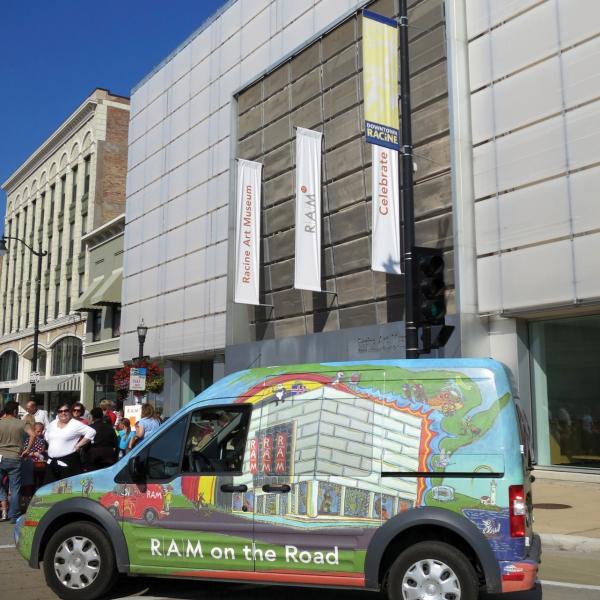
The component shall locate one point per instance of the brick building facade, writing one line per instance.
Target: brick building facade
(70, 185)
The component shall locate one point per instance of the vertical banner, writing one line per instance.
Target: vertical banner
(247, 234)
(380, 79)
(385, 243)
(307, 273)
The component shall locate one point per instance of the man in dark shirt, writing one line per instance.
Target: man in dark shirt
(104, 449)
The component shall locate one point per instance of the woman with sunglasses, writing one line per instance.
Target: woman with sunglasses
(65, 437)
(78, 410)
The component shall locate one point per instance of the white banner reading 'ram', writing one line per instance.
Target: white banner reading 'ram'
(307, 273)
(385, 254)
(247, 235)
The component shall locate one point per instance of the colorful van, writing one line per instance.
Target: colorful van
(410, 476)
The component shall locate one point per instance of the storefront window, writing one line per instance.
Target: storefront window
(195, 378)
(566, 385)
(104, 388)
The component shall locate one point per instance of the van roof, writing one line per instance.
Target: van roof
(246, 384)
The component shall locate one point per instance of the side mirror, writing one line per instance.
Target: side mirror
(137, 468)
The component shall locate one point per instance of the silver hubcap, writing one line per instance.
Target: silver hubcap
(77, 562)
(430, 579)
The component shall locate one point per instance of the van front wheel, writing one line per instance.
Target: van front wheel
(79, 562)
(432, 570)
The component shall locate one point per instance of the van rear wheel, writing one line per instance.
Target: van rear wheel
(432, 570)
(79, 562)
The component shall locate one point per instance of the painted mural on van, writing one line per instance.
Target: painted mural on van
(322, 458)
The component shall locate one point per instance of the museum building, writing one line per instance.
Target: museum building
(505, 110)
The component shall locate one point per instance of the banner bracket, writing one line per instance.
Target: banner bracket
(335, 294)
(271, 306)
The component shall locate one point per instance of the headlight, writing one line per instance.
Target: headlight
(18, 526)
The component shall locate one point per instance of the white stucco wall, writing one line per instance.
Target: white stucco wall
(180, 155)
(535, 102)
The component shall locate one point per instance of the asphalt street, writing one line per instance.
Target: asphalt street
(564, 576)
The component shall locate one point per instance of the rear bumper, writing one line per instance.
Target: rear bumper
(535, 552)
(521, 576)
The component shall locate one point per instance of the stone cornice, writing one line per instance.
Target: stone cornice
(54, 324)
(83, 114)
(105, 232)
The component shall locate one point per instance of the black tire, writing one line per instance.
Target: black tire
(106, 567)
(458, 568)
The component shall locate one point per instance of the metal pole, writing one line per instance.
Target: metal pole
(36, 331)
(141, 349)
(36, 318)
(411, 334)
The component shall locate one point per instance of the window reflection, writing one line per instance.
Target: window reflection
(566, 381)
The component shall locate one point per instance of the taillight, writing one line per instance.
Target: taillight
(518, 510)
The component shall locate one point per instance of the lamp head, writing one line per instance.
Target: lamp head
(3, 248)
(142, 330)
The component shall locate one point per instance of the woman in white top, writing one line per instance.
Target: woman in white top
(65, 437)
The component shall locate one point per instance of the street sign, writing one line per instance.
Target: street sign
(34, 377)
(137, 379)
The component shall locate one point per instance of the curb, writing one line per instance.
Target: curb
(572, 543)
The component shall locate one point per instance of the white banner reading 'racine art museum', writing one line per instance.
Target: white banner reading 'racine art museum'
(247, 236)
(307, 274)
(385, 254)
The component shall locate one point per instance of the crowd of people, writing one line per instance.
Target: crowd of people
(35, 450)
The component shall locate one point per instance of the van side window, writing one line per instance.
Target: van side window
(163, 458)
(216, 439)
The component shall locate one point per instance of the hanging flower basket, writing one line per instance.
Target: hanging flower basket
(155, 379)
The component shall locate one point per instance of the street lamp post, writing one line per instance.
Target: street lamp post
(36, 318)
(142, 330)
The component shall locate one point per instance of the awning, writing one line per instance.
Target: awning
(72, 383)
(109, 292)
(84, 302)
(51, 384)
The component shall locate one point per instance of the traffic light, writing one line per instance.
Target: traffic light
(429, 286)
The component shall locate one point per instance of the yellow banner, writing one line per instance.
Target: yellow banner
(380, 80)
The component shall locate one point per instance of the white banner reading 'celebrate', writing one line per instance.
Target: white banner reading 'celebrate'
(307, 274)
(385, 254)
(247, 235)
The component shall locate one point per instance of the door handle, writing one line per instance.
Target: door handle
(227, 487)
(284, 488)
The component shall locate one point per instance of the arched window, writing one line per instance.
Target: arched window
(9, 366)
(66, 356)
(41, 366)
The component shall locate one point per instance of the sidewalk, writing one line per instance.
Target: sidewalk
(567, 513)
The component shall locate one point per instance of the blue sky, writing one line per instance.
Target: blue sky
(53, 53)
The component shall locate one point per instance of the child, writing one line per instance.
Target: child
(37, 453)
(125, 435)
